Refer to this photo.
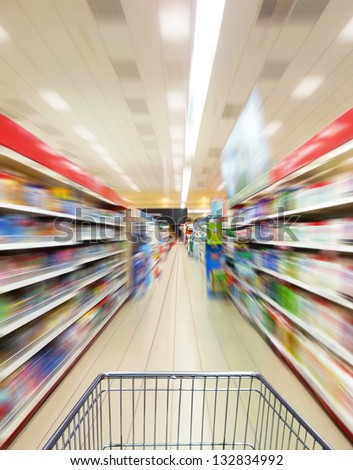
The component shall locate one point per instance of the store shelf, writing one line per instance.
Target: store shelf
(315, 333)
(326, 294)
(49, 243)
(54, 378)
(342, 203)
(33, 277)
(34, 245)
(89, 259)
(309, 246)
(105, 213)
(315, 385)
(323, 199)
(38, 211)
(154, 263)
(240, 307)
(12, 324)
(22, 356)
(33, 210)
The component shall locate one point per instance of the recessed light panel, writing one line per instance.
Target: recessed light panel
(308, 86)
(346, 35)
(55, 101)
(174, 22)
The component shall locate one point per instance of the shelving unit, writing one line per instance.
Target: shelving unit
(146, 254)
(326, 294)
(320, 391)
(309, 246)
(315, 338)
(55, 296)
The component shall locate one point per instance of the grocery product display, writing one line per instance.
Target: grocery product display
(149, 247)
(289, 269)
(65, 272)
(216, 279)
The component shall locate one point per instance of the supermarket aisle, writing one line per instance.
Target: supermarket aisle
(175, 327)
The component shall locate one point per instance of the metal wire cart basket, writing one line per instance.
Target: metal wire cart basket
(173, 411)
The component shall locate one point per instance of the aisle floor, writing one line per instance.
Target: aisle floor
(176, 327)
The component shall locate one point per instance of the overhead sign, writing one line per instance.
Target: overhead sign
(246, 156)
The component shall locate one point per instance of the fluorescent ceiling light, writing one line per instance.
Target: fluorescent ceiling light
(346, 35)
(186, 183)
(272, 128)
(307, 86)
(209, 14)
(55, 101)
(4, 35)
(112, 163)
(84, 133)
(130, 183)
(126, 179)
(221, 186)
(176, 100)
(99, 148)
(175, 23)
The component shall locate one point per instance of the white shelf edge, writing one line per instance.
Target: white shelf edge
(31, 245)
(155, 263)
(35, 279)
(42, 277)
(98, 257)
(309, 246)
(65, 215)
(324, 339)
(9, 246)
(48, 337)
(27, 318)
(17, 323)
(33, 210)
(326, 205)
(16, 421)
(314, 290)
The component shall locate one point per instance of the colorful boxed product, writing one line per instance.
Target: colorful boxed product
(10, 187)
(34, 195)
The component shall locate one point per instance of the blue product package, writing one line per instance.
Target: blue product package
(5, 227)
(272, 260)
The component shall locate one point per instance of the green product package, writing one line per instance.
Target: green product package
(214, 233)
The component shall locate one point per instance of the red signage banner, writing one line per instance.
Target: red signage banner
(23, 142)
(332, 136)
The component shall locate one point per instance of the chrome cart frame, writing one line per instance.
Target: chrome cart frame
(173, 411)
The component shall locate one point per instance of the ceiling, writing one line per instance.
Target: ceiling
(120, 79)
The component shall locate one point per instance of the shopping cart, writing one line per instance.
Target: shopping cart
(182, 411)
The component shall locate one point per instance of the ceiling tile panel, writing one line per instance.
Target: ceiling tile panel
(106, 10)
(126, 69)
(308, 10)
